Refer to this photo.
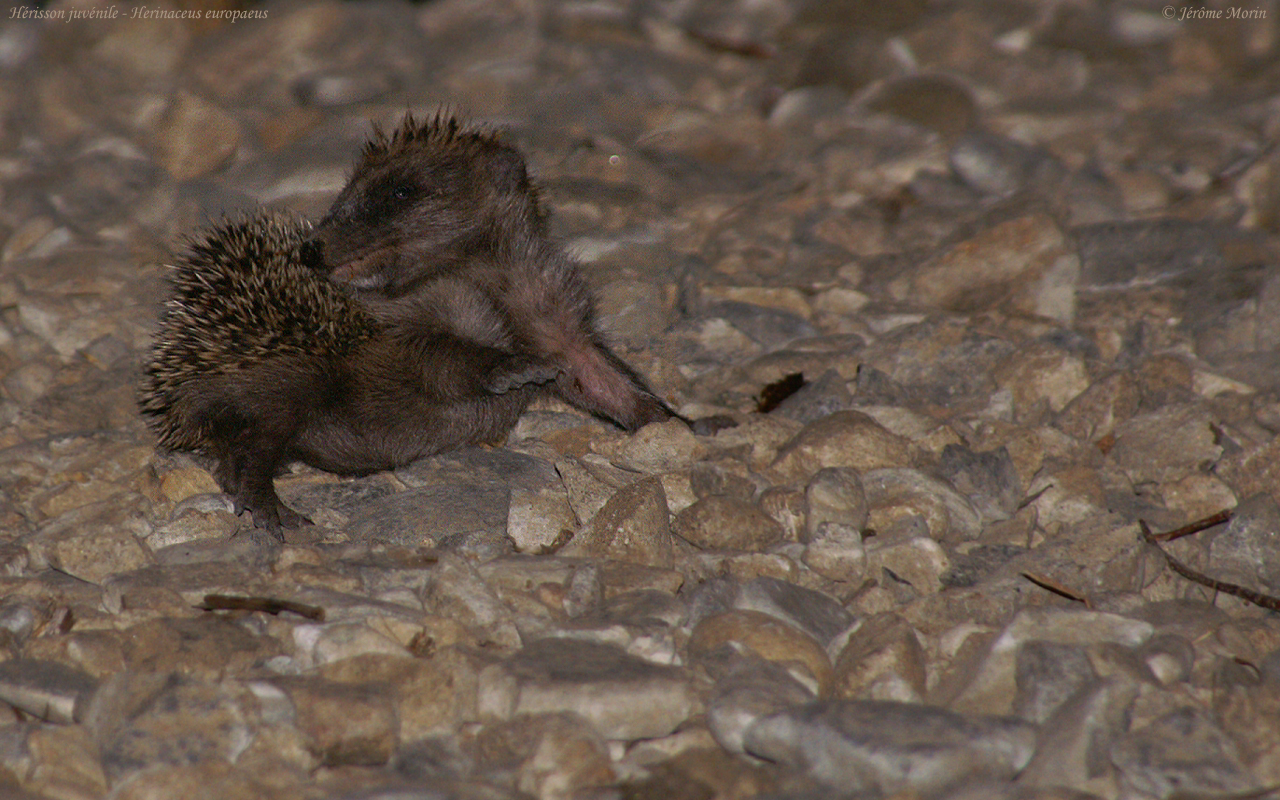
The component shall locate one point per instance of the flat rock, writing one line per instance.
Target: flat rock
(813, 612)
(48, 690)
(1024, 262)
(844, 439)
(1244, 552)
(659, 447)
(890, 747)
(896, 494)
(992, 686)
(724, 523)
(1166, 445)
(768, 638)
(621, 696)
(1182, 751)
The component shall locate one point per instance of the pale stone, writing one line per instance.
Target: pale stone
(622, 696)
(783, 298)
(844, 439)
(891, 748)
(633, 526)
(882, 661)
(767, 637)
(837, 552)
(196, 137)
(920, 561)
(95, 555)
(894, 494)
(726, 523)
(1025, 246)
(539, 518)
(992, 688)
(1166, 445)
(834, 494)
(1041, 375)
(657, 447)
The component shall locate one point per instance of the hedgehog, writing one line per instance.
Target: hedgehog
(438, 198)
(260, 360)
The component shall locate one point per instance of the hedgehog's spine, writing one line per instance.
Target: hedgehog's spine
(232, 366)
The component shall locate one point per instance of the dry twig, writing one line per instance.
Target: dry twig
(1257, 598)
(1051, 585)
(268, 605)
(1195, 527)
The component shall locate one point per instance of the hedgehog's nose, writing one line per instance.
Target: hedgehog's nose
(311, 254)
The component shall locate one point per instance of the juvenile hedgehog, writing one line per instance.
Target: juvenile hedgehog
(447, 308)
(438, 199)
(259, 361)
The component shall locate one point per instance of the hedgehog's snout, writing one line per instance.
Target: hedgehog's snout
(322, 252)
(311, 254)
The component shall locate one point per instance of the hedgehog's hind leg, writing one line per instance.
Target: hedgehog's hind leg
(602, 383)
(596, 380)
(250, 450)
(648, 406)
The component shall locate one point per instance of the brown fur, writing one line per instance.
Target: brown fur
(437, 199)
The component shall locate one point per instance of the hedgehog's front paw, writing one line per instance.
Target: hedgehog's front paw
(518, 371)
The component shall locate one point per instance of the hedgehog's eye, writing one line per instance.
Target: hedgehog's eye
(402, 192)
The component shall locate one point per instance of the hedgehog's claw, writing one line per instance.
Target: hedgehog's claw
(287, 518)
(268, 513)
(275, 518)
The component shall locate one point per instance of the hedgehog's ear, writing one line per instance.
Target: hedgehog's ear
(508, 172)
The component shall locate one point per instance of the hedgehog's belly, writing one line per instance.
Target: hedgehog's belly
(365, 436)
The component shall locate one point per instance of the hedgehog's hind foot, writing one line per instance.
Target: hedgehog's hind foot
(269, 514)
(289, 518)
(251, 489)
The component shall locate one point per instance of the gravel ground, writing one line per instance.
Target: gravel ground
(987, 287)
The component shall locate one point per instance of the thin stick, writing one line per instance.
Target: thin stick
(1055, 587)
(1195, 527)
(268, 605)
(1257, 598)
